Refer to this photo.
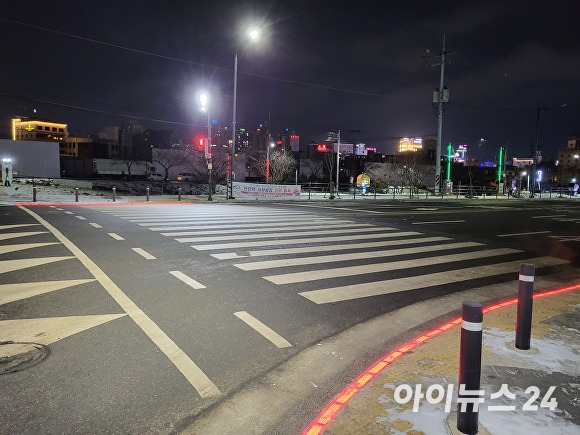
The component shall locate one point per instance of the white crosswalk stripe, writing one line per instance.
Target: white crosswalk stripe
(318, 250)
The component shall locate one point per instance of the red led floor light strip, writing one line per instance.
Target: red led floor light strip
(332, 410)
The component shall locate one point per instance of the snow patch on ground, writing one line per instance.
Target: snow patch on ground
(552, 355)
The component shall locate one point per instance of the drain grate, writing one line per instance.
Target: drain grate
(18, 356)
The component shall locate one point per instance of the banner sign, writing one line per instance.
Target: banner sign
(266, 191)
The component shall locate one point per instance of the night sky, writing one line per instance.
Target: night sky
(320, 65)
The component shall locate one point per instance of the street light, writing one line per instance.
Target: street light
(204, 100)
(270, 145)
(253, 35)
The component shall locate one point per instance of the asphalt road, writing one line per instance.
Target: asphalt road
(154, 313)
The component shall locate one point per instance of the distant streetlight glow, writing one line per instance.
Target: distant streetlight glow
(253, 35)
(204, 100)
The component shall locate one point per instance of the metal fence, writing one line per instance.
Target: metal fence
(350, 191)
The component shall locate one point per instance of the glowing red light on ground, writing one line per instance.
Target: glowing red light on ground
(332, 410)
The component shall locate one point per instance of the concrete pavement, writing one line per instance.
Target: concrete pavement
(552, 361)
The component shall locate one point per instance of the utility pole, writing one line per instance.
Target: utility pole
(535, 175)
(440, 96)
(337, 161)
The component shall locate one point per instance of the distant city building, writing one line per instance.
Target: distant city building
(569, 158)
(520, 163)
(460, 153)
(38, 130)
(83, 147)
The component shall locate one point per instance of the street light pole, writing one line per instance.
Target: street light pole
(231, 196)
(205, 108)
(268, 166)
(535, 175)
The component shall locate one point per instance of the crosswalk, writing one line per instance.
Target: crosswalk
(298, 247)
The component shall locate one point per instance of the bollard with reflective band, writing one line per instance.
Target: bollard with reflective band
(33, 193)
(147, 191)
(114, 191)
(469, 367)
(179, 193)
(76, 194)
(524, 310)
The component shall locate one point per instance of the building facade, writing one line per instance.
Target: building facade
(38, 130)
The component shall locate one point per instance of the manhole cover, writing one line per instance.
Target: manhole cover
(15, 356)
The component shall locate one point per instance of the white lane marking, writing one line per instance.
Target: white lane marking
(7, 227)
(115, 236)
(82, 218)
(203, 228)
(6, 236)
(211, 219)
(270, 264)
(548, 216)
(69, 212)
(144, 253)
(523, 234)
(227, 256)
(201, 231)
(16, 292)
(186, 279)
(358, 210)
(438, 222)
(291, 241)
(12, 265)
(273, 235)
(184, 364)
(49, 330)
(356, 291)
(336, 247)
(61, 209)
(95, 225)
(279, 341)
(209, 224)
(22, 246)
(295, 277)
(426, 209)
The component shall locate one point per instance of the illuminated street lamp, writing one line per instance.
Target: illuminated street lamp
(253, 35)
(204, 100)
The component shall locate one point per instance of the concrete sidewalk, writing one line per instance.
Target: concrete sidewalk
(553, 360)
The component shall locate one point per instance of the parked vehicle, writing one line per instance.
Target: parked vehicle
(154, 176)
(118, 168)
(185, 176)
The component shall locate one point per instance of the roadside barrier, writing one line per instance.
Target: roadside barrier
(469, 394)
(179, 193)
(147, 193)
(114, 192)
(76, 194)
(524, 310)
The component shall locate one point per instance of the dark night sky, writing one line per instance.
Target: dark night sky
(322, 65)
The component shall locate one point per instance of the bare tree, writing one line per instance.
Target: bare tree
(315, 167)
(383, 174)
(413, 171)
(168, 158)
(281, 165)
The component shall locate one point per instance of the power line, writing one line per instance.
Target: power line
(190, 62)
(104, 112)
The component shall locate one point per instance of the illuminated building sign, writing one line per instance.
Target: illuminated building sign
(410, 144)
